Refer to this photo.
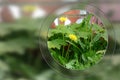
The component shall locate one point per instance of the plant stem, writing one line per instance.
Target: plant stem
(67, 50)
(63, 47)
(74, 46)
(90, 37)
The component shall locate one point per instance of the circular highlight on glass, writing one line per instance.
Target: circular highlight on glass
(77, 39)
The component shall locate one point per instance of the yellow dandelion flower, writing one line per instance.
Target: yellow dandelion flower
(63, 19)
(73, 37)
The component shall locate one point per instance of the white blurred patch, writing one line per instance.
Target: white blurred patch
(83, 12)
(56, 21)
(79, 21)
(67, 22)
(15, 11)
(39, 13)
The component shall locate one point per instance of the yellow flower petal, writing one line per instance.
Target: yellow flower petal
(73, 37)
(62, 19)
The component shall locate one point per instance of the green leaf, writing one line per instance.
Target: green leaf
(96, 27)
(96, 38)
(62, 60)
(83, 57)
(105, 36)
(70, 65)
(57, 43)
(60, 29)
(74, 45)
(86, 21)
(75, 26)
(100, 52)
(89, 58)
(82, 45)
(83, 34)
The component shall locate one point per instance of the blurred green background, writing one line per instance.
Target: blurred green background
(20, 56)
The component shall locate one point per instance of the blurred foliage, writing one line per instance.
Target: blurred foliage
(19, 49)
